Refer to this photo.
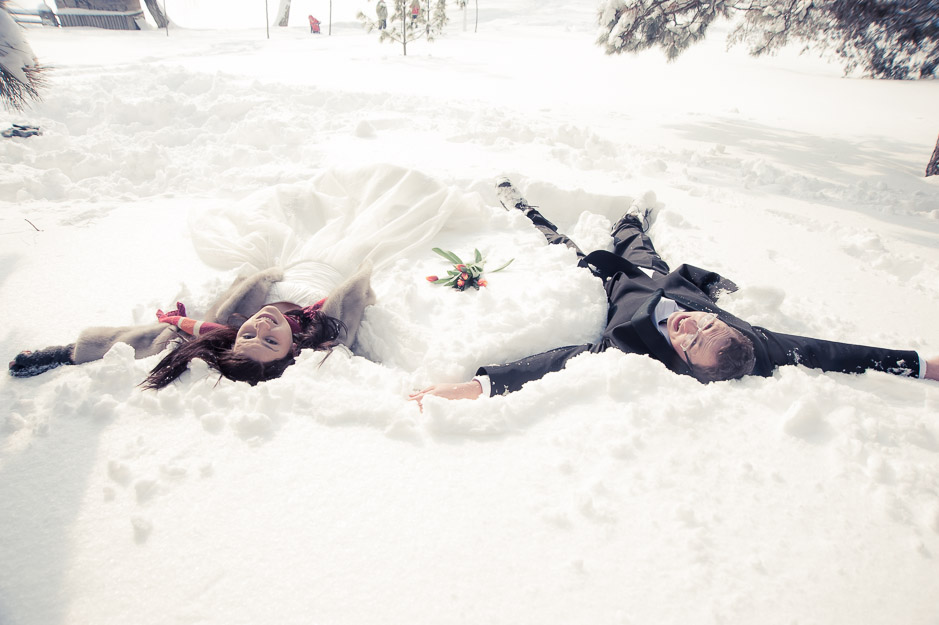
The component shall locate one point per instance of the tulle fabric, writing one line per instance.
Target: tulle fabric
(321, 232)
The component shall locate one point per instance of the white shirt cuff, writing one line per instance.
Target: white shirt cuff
(486, 384)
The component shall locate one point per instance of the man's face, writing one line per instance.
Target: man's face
(697, 337)
(264, 337)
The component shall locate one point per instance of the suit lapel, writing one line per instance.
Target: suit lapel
(694, 304)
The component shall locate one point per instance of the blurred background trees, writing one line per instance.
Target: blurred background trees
(409, 20)
(883, 38)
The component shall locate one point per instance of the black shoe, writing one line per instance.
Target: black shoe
(28, 364)
(510, 197)
(642, 211)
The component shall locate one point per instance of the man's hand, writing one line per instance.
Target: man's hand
(461, 390)
(932, 368)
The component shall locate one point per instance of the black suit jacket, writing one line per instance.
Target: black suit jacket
(631, 327)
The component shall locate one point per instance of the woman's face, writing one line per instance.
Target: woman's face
(264, 337)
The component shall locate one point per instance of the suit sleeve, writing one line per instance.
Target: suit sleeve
(710, 283)
(510, 377)
(789, 349)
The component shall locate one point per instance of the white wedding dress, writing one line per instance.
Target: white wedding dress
(321, 232)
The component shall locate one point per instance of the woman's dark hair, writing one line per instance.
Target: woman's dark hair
(318, 331)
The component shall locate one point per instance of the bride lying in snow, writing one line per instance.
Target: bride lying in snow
(305, 262)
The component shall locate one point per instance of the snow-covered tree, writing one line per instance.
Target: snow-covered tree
(461, 4)
(438, 16)
(884, 38)
(283, 13)
(932, 169)
(409, 21)
(20, 72)
(154, 7)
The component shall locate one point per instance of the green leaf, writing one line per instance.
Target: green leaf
(453, 258)
(502, 267)
(479, 256)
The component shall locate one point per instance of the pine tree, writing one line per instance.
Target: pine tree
(884, 38)
(154, 8)
(932, 169)
(283, 13)
(403, 28)
(438, 17)
(21, 75)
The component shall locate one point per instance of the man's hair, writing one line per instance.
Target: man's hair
(735, 359)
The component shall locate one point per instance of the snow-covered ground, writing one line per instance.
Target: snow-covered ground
(611, 492)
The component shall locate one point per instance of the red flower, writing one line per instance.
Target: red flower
(465, 276)
(482, 283)
(460, 282)
(461, 267)
(432, 278)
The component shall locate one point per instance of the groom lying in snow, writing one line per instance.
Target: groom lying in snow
(672, 317)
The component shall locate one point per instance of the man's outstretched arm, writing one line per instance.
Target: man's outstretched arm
(512, 376)
(788, 349)
(505, 378)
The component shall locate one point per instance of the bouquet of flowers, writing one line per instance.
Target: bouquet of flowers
(463, 274)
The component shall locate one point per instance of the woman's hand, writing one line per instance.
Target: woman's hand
(164, 317)
(461, 390)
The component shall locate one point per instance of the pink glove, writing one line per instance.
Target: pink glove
(179, 319)
(180, 311)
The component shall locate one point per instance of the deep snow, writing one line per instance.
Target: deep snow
(611, 492)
